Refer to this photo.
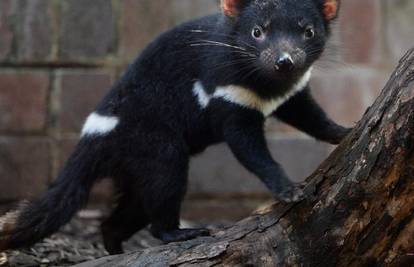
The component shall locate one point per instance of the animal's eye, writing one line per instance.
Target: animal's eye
(257, 33)
(309, 32)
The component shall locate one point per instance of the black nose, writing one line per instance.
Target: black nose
(284, 64)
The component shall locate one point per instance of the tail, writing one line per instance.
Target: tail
(32, 222)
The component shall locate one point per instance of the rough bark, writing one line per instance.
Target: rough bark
(359, 211)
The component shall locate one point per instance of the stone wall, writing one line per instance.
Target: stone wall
(59, 57)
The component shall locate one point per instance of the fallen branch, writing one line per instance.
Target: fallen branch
(359, 211)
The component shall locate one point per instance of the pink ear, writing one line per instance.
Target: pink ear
(330, 9)
(230, 8)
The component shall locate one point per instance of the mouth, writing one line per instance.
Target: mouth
(277, 70)
(283, 66)
(275, 73)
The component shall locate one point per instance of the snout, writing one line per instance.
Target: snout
(284, 63)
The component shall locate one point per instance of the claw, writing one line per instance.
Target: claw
(293, 193)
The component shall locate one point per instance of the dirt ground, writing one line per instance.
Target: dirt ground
(78, 242)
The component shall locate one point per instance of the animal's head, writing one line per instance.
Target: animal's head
(286, 36)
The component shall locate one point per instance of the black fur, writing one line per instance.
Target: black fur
(161, 124)
(305, 114)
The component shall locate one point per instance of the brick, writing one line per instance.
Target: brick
(65, 148)
(399, 28)
(142, 21)
(217, 172)
(299, 156)
(87, 30)
(361, 35)
(183, 10)
(80, 93)
(23, 101)
(346, 93)
(24, 167)
(35, 31)
(6, 29)
(275, 127)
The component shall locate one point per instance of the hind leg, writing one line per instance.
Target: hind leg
(163, 193)
(165, 217)
(127, 219)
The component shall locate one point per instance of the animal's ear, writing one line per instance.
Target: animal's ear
(330, 9)
(232, 8)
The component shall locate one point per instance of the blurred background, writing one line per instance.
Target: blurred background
(58, 58)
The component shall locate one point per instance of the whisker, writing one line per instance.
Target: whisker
(240, 71)
(224, 35)
(218, 44)
(232, 63)
(226, 46)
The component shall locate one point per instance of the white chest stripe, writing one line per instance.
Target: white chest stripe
(247, 98)
(99, 125)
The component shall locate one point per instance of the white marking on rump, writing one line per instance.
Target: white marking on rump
(99, 125)
(202, 97)
(248, 98)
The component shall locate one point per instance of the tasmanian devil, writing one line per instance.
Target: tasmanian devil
(211, 80)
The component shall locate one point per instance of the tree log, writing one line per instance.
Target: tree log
(359, 211)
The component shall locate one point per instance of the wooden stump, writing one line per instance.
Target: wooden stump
(360, 209)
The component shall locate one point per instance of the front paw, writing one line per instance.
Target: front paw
(292, 193)
(339, 135)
